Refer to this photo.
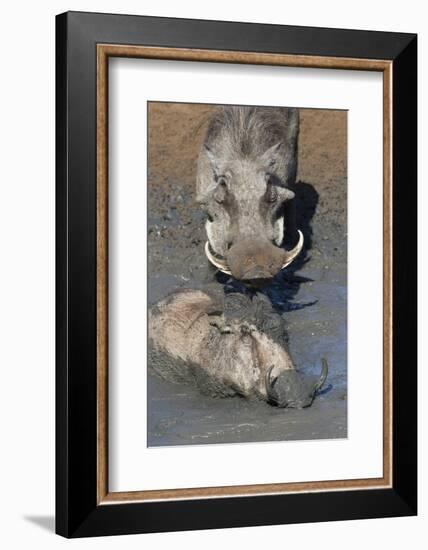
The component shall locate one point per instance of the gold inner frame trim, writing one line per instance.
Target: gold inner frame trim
(104, 51)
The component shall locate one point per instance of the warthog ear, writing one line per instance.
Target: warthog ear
(212, 158)
(271, 156)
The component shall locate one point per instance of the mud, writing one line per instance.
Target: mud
(312, 293)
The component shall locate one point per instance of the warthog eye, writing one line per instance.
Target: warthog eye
(271, 194)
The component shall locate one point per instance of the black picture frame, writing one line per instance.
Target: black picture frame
(77, 512)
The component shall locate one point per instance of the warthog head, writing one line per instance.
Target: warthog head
(245, 169)
(237, 347)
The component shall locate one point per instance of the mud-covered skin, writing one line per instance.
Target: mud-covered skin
(234, 347)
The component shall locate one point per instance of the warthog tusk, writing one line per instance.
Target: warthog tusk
(269, 386)
(323, 376)
(292, 254)
(219, 264)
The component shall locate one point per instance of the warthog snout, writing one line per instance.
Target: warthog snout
(254, 261)
(291, 389)
(258, 261)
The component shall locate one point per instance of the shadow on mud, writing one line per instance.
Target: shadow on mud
(325, 390)
(306, 203)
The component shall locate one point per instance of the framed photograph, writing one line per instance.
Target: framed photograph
(236, 274)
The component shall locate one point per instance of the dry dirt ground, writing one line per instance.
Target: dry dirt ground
(312, 292)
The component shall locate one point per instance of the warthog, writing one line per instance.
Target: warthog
(246, 166)
(237, 347)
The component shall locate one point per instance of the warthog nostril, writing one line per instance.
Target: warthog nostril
(256, 276)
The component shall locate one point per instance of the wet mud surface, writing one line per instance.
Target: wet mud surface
(312, 293)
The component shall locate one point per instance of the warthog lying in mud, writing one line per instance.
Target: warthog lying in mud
(233, 346)
(246, 168)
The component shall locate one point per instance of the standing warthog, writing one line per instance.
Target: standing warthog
(245, 169)
(234, 347)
